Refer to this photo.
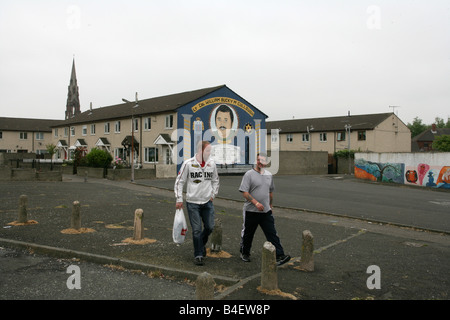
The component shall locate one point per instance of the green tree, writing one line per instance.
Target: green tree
(417, 127)
(51, 149)
(78, 158)
(439, 122)
(98, 158)
(442, 143)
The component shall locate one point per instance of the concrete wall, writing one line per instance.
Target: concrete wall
(13, 174)
(10, 159)
(125, 174)
(419, 169)
(343, 166)
(303, 162)
(166, 171)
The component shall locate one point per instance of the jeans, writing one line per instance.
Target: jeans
(251, 222)
(199, 213)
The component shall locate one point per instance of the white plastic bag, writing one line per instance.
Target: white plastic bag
(179, 227)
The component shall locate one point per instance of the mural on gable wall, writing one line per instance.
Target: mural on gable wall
(233, 126)
(420, 175)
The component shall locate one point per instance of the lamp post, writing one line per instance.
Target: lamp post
(347, 128)
(309, 128)
(132, 134)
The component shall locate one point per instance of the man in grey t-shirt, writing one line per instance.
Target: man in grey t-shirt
(257, 188)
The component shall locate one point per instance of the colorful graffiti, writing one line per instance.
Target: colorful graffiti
(420, 175)
(431, 176)
(382, 172)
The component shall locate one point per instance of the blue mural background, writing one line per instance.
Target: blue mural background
(247, 121)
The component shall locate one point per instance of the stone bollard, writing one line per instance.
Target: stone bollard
(204, 287)
(23, 202)
(269, 277)
(76, 217)
(138, 228)
(216, 237)
(307, 259)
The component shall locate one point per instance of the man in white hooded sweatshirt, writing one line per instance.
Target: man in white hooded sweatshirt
(200, 174)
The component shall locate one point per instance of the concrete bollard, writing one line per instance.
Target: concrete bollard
(269, 277)
(204, 287)
(307, 259)
(76, 217)
(138, 228)
(23, 215)
(216, 236)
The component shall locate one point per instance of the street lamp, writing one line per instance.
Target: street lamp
(309, 128)
(132, 134)
(347, 129)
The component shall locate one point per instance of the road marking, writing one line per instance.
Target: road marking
(360, 232)
(441, 203)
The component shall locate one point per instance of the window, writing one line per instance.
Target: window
(323, 137)
(340, 136)
(305, 137)
(72, 131)
(168, 156)
(274, 138)
(23, 136)
(1, 134)
(169, 121)
(107, 128)
(151, 155)
(56, 132)
(136, 124)
(119, 154)
(361, 135)
(147, 123)
(66, 132)
(39, 136)
(117, 127)
(92, 129)
(84, 130)
(289, 137)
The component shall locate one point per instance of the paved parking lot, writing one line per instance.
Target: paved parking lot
(413, 263)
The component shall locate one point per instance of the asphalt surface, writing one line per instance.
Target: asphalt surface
(343, 195)
(34, 259)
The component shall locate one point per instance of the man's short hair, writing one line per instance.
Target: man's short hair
(225, 108)
(262, 154)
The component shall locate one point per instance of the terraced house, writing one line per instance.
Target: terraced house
(19, 135)
(382, 132)
(162, 130)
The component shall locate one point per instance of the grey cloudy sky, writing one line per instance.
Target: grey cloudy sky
(301, 59)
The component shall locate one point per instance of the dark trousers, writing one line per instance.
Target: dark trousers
(251, 222)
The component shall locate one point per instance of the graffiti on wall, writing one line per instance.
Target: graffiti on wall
(382, 172)
(420, 175)
(429, 176)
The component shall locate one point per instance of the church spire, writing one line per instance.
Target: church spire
(73, 100)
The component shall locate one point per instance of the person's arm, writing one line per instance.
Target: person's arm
(271, 199)
(179, 183)
(255, 202)
(215, 183)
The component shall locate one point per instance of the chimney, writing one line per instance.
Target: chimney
(433, 128)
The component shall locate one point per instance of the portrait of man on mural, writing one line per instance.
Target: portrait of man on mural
(223, 121)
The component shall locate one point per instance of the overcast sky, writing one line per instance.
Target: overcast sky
(301, 59)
